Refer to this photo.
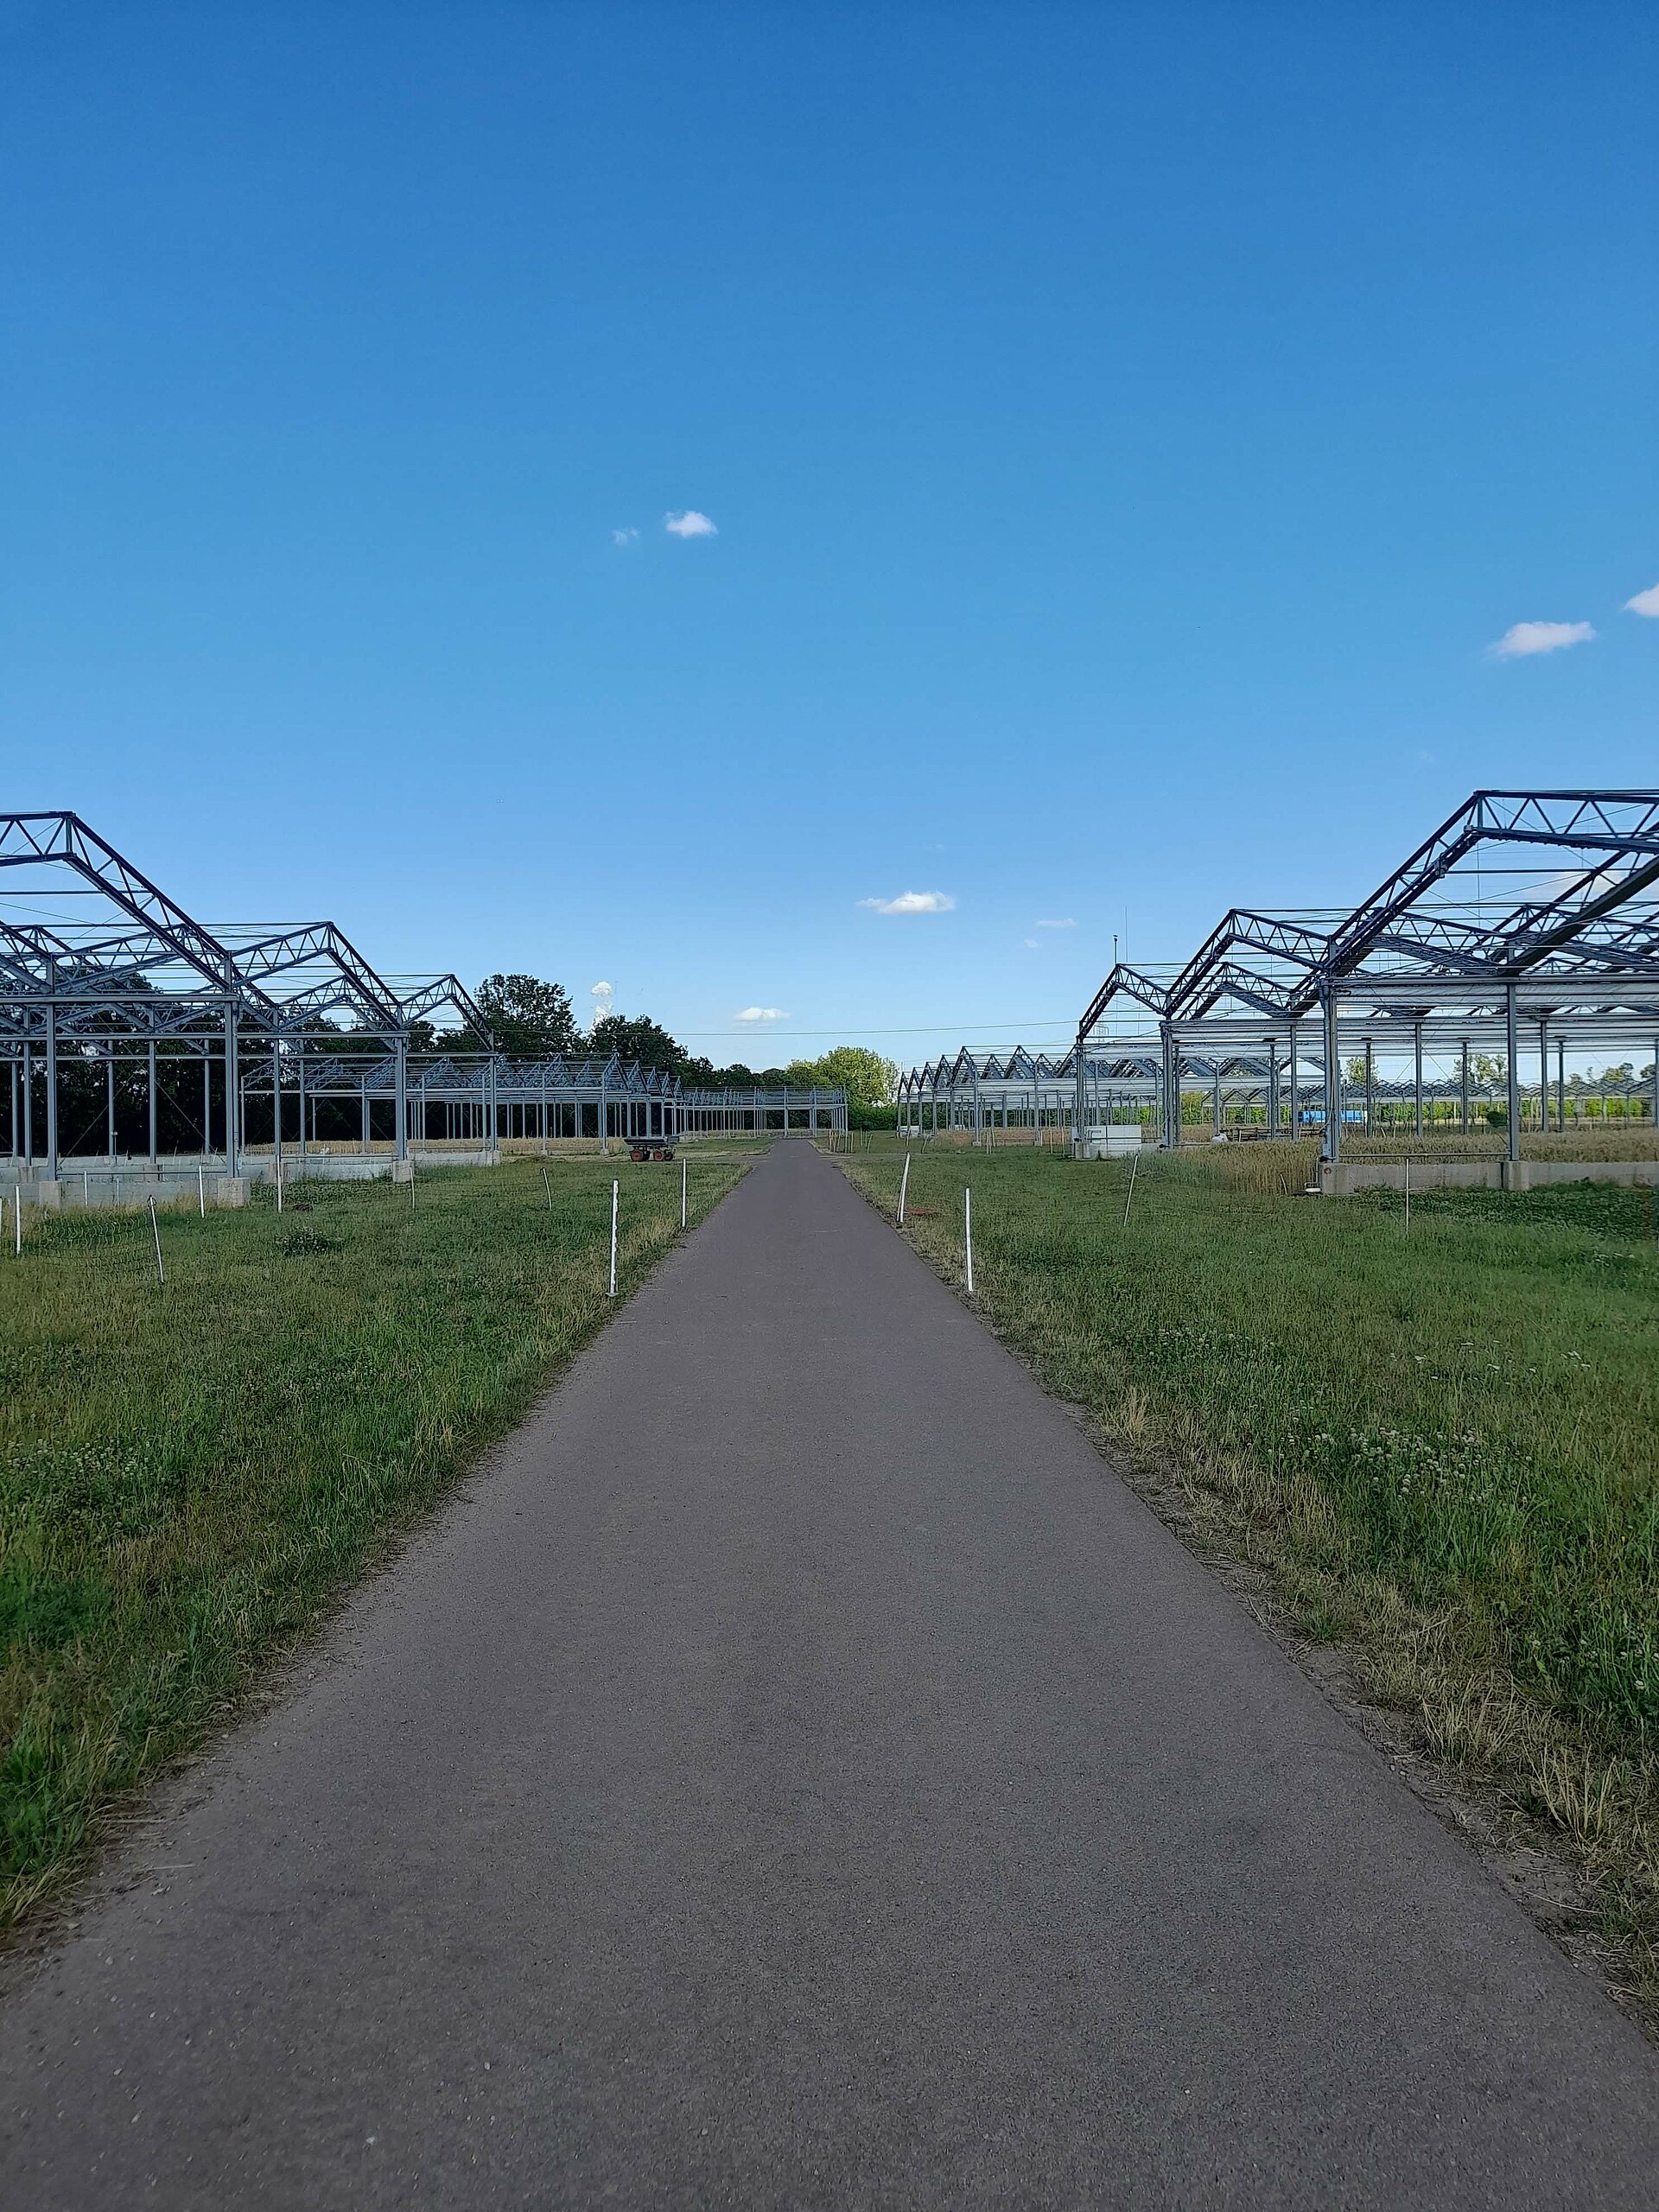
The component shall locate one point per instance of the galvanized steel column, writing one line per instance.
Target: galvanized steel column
(232, 1078)
(1512, 1043)
(52, 1077)
(1417, 1066)
(1295, 1073)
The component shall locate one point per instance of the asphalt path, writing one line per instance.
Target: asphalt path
(797, 1771)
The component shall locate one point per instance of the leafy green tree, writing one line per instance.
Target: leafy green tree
(636, 1037)
(867, 1079)
(530, 1019)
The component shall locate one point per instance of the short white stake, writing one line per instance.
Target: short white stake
(201, 1189)
(968, 1236)
(1129, 1200)
(156, 1231)
(276, 1170)
(18, 1219)
(615, 1188)
(1407, 1192)
(548, 1186)
(904, 1187)
(685, 1169)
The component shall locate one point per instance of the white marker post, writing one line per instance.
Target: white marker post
(201, 1189)
(18, 1219)
(276, 1170)
(968, 1236)
(156, 1231)
(548, 1186)
(904, 1187)
(615, 1188)
(685, 1167)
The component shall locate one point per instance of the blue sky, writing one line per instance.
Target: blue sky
(1127, 430)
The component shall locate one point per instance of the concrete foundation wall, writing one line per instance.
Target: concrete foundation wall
(134, 1183)
(1341, 1182)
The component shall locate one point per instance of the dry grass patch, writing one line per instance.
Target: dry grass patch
(1439, 1444)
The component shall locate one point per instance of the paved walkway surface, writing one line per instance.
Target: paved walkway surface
(797, 1772)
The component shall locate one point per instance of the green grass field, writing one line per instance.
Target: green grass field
(189, 1475)
(1441, 1441)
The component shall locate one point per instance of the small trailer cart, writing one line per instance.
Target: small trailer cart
(641, 1149)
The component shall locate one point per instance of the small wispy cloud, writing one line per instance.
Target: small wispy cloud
(762, 1013)
(1068, 924)
(623, 537)
(1031, 943)
(689, 524)
(1523, 639)
(911, 902)
(602, 995)
(1645, 602)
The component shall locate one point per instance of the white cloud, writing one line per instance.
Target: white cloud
(1031, 943)
(689, 524)
(762, 1013)
(623, 537)
(1645, 602)
(1067, 924)
(602, 995)
(911, 902)
(1522, 639)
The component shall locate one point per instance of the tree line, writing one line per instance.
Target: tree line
(531, 1019)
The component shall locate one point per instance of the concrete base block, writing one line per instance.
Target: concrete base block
(46, 1196)
(403, 1170)
(1108, 1141)
(231, 1191)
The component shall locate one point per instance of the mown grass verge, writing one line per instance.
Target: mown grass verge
(1441, 1442)
(189, 1474)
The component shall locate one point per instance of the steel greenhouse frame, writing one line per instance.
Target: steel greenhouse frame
(1449, 955)
(253, 1009)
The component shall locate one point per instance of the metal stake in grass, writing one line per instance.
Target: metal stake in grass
(548, 1187)
(201, 1189)
(904, 1188)
(968, 1236)
(156, 1231)
(17, 1217)
(1407, 1190)
(1129, 1200)
(685, 1169)
(616, 1190)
